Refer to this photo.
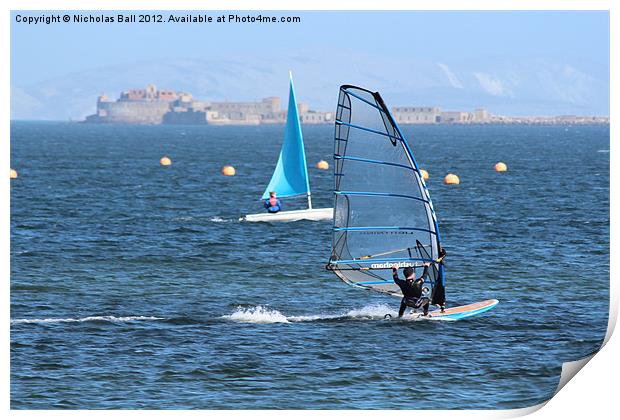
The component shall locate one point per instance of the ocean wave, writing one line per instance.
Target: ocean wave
(257, 315)
(108, 318)
(184, 229)
(217, 219)
(182, 219)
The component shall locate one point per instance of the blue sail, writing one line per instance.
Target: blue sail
(291, 174)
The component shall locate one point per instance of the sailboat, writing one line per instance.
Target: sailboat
(383, 213)
(290, 177)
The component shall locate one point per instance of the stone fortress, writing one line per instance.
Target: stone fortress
(153, 106)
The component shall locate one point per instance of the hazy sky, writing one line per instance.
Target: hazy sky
(491, 58)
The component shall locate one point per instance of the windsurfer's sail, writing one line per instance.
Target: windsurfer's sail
(290, 177)
(383, 214)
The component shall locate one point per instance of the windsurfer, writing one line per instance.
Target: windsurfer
(273, 204)
(412, 289)
(439, 292)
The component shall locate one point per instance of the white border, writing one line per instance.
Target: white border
(592, 395)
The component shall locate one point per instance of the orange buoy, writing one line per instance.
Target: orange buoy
(501, 167)
(424, 174)
(13, 173)
(451, 179)
(228, 171)
(165, 161)
(321, 164)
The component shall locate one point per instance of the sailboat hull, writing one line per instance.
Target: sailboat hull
(290, 216)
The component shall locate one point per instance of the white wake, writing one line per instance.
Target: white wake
(85, 319)
(264, 315)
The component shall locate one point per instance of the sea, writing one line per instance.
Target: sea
(135, 286)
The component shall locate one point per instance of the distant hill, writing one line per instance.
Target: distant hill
(528, 87)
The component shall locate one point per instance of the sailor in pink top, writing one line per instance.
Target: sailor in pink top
(273, 204)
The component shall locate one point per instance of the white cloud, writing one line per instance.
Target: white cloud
(454, 81)
(23, 103)
(576, 85)
(492, 85)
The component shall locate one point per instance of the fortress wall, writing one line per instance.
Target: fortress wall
(134, 112)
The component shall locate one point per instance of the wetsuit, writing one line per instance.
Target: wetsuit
(412, 292)
(439, 292)
(273, 205)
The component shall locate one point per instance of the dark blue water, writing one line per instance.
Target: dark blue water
(134, 286)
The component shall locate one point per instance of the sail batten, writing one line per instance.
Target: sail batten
(381, 194)
(336, 157)
(383, 214)
(359, 127)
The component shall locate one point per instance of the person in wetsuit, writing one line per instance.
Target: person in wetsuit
(412, 289)
(439, 292)
(273, 204)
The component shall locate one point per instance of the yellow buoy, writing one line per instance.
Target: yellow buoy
(13, 173)
(321, 164)
(501, 167)
(228, 171)
(424, 174)
(451, 179)
(165, 161)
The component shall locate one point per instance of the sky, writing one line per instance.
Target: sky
(512, 63)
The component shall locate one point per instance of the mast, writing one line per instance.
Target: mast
(303, 151)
